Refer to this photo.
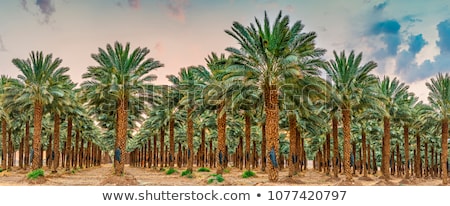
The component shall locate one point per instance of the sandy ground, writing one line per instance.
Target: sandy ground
(103, 175)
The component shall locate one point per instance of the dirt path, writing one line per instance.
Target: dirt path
(103, 175)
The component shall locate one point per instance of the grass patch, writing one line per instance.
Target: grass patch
(1, 170)
(187, 173)
(226, 171)
(215, 177)
(248, 174)
(35, 174)
(162, 169)
(203, 169)
(171, 171)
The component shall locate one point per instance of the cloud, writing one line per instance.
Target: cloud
(416, 43)
(177, 9)
(380, 6)
(410, 70)
(45, 8)
(444, 36)
(135, 4)
(159, 47)
(388, 30)
(2, 45)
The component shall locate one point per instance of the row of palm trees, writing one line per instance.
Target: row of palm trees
(269, 90)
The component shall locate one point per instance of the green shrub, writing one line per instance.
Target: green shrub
(185, 173)
(171, 171)
(248, 174)
(203, 169)
(35, 174)
(215, 177)
(162, 169)
(1, 170)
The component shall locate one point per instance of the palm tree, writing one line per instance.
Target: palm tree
(37, 72)
(123, 74)
(439, 98)
(350, 81)
(269, 56)
(394, 94)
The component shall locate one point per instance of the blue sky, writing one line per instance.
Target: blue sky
(409, 39)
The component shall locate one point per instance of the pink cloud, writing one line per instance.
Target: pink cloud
(135, 4)
(177, 9)
(159, 47)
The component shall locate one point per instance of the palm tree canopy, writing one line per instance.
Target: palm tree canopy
(439, 95)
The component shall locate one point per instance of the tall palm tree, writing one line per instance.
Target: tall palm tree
(270, 55)
(394, 93)
(37, 72)
(124, 76)
(350, 81)
(439, 97)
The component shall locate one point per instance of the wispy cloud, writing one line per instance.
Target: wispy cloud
(177, 9)
(45, 8)
(159, 47)
(135, 4)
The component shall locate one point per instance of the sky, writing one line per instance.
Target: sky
(408, 39)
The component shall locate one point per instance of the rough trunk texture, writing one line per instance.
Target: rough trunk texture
(444, 153)
(272, 117)
(171, 142)
(121, 137)
(190, 139)
(347, 135)
(386, 147)
(292, 144)
(69, 144)
(37, 125)
(48, 153)
(221, 139)
(27, 144)
(418, 159)
(364, 151)
(406, 145)
(4, 143)
(55, 154)
(299, 149)
(248, 125)
(263, 147)
(161, 146)
(334, 123)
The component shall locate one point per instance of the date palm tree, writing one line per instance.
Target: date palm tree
(350, 81)
(439, 98)
(394, 93)
(37, 72)
(269, 56)
(121, 76)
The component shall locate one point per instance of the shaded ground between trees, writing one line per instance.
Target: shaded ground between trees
(103, 175)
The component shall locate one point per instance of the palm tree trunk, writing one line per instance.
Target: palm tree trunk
(190, 139)
(55, 154)
(406, 145)
(292, 144)
(21, 153)
(347, 120)
(263, 147)
(10, 150)
(69, 144)
(27, 144)
(48, 153)
(399, 160)
(121, 137)
(248, 125)
(386, 147)
(444, 150)
(203, 148)
(155, 154)
(418, 159)
(364, 151)
(426, 160)
(77, 148)
(171, 142)
(4, 149)
(334, 131)
(221, 138)
(327, 153)
(272, 135)
(161, 147)
(38, 111)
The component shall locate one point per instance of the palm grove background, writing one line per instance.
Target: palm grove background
(271, 103)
